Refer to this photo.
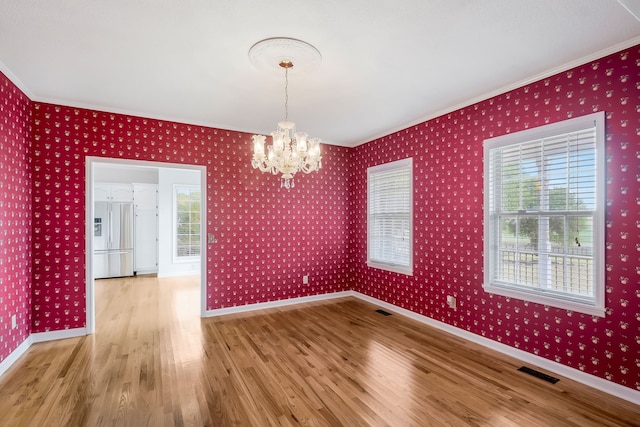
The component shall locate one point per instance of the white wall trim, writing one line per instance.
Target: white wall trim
(15, 355)
(181, 273)
(609, 387)
(36, 338)
(58, 335)
(90, 161)
(603, 385)
(90, 307)
(597, 383)
(16, 81)
(275, 304)
(517, 85)
(524, 82)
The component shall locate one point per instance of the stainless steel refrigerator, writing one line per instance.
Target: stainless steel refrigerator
(112, 239)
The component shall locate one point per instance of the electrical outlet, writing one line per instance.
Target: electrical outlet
(451, 302)
(14, 322)
(305, 279)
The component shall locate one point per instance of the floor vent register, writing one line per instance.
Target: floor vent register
(538, 374)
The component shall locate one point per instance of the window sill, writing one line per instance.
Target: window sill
(578, 307)
(407, 271)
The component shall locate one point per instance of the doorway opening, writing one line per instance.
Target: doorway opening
(95, 168)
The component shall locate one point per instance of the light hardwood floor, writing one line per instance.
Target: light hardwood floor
(154, 362)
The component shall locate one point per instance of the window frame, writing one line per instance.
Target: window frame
(594, 305)
(185, 258)
(406, 269)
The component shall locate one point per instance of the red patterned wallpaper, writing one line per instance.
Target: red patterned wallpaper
(268, 237)
(448, 220)
(15, 216)
(254, 261)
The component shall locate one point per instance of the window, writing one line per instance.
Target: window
(187, 210)
(544, 214)
(390, 216)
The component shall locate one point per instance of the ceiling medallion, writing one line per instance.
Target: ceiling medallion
(291, 151)
(267, 54)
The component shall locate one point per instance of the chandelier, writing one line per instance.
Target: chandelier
(290, 151)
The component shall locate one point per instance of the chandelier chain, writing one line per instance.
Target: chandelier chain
(286, 93)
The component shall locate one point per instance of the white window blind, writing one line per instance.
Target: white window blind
(390, 214)
(544, 214)
(187, 216)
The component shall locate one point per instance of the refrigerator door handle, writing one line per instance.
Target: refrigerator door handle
(110, 227)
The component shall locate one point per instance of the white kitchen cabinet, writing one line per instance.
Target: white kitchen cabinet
(145, 199)
(145, 196)
(112, 192)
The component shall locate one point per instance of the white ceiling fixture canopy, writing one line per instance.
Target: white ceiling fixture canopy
(267, 54)
(291, 151)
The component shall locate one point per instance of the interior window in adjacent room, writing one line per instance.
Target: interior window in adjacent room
(187, 222)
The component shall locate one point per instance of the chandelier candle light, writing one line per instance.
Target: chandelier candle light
(290, 151)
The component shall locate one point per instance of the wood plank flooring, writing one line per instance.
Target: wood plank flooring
(154, 362)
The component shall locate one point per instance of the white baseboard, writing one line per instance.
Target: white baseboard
(165, 275)
(601, 384)
(35, 338)
(58, 335)
(275, 304)
(15, 355)
(145, 272)
(609, 387)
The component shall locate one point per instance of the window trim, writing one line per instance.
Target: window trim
(597, 307)
(176, 258)
(393, 267)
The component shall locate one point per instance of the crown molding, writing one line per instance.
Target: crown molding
(15, 80)
(532, 79)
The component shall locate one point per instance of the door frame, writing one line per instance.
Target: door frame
(90, 162)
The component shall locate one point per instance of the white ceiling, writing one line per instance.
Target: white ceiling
(385, 64)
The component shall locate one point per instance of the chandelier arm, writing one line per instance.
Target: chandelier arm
(310, 167)
(264, 167)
